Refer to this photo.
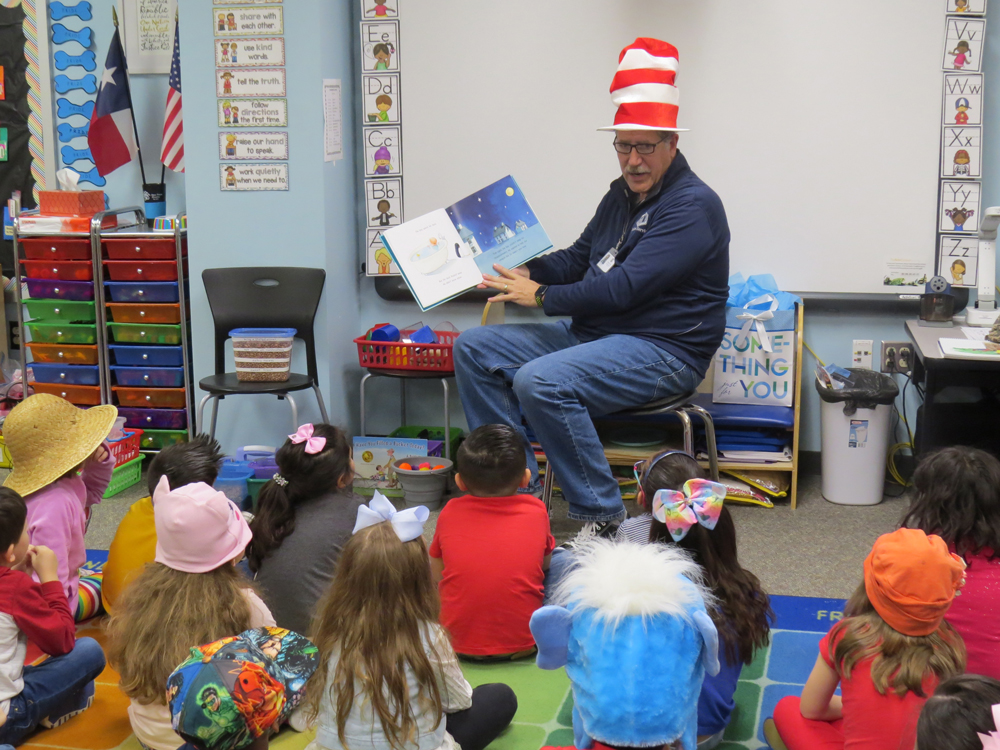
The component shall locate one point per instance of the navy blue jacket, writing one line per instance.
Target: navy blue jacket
(670, 280)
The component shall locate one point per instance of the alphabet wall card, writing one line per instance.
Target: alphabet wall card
(379, 261)
(248, 21)
(380, 9)
(261, 51)
(383, 153)
(253, 113)
(244, 2)
(379, 46)
(253, 177)
(963, 44)
(966, 7)
(380, 95)
(963, 99)
(959, 259)
(959, 206)
(254, 144)
(384, 201)
(250, 82)
(962, 152)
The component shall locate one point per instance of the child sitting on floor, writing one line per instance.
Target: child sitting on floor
(963, 714)
(688, 511)
(134, 544)
(62, 466)
(388, 677)
(887, 655)
(304, 517)
(957, 497)
(63, 685)
(191, 594)
(491, 548)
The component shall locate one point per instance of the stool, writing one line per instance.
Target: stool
(403, 376)
(683, 407)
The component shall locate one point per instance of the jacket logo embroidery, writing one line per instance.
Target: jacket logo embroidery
(640, 225)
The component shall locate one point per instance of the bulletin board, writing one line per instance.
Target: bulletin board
(818, 124)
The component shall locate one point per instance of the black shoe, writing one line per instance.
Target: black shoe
(594, 530)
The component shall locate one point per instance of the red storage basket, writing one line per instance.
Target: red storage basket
(143, 249)
(143, 270)
(57, 248)
(397, 355)
(127, 448)
(59, 270)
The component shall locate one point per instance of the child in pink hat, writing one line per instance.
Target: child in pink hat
(191, 594)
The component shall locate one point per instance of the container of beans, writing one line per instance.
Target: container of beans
(263, 355)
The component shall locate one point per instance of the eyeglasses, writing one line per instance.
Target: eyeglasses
(642, 148)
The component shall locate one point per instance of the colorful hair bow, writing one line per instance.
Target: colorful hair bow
(305, 435)
(408, 524)
(991, 741)
(699, 502)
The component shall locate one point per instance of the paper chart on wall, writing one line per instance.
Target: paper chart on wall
(244, 21)
(960, 206)
(962, 152)
(148, 27)
(333, 120)
(958, 259)
(236, 177)
(250, 82)
(963, 44)
(253, 113)
(380, 46)
(253, 145)
(963, 99)
(254, 52)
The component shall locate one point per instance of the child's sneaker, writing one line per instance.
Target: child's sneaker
(85, 701)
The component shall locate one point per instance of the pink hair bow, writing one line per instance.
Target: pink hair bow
(991, 741)
(305, 435)
(699, 502)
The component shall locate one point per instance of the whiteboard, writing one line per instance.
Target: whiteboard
(817, 123)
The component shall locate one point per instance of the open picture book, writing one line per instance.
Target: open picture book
(446, 252)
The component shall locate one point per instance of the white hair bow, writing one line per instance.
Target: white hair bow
(991, 741)
(408, 524)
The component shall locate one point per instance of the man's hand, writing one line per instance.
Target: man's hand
(514, 286)
(43, 561)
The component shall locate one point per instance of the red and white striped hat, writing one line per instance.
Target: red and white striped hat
(643, 88)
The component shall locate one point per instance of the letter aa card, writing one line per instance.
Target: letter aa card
(959, 206)
(963, 44)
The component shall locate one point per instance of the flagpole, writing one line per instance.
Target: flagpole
(128, 91)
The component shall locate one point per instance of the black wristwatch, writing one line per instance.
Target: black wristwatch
(540, 294)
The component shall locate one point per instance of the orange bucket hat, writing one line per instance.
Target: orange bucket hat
(911, 579)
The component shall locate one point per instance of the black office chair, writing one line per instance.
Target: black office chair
(264, 297)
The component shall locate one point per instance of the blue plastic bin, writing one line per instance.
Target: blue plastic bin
(148, 356)
(68, 374)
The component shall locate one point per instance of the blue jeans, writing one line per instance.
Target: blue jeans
(561, 384)
(52, 689)
(561, 563)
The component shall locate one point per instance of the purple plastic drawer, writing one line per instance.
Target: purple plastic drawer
(264, 468)
(52, 289)
(159, 377)
(157, 419)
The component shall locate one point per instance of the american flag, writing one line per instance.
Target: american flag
(172, 151)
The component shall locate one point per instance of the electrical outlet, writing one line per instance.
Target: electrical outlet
(897, 356)
(862, 353)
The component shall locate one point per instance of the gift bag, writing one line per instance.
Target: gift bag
(756, 362)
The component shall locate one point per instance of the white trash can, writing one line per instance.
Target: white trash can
(855, 427)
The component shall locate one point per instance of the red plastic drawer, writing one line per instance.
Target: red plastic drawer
(123, 312)
(142, 270)
(61, 270)
(143, 249)
(81, 395)
(40, 248)
(165, 398)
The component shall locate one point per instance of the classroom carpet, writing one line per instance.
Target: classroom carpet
(544, 698)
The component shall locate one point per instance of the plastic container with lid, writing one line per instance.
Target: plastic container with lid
(263, 355)
(262, 338)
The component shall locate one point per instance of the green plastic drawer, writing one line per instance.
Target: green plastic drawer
(67, 311)
(154, 440)
(62, 333)
(140, 333)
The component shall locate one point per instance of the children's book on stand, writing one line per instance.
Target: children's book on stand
(373, 457)
(446, 252)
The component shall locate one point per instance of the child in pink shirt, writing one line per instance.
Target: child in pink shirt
(62, 466)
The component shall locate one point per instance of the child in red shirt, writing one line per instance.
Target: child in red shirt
(958, 498)
(491, 549)
(887, 655)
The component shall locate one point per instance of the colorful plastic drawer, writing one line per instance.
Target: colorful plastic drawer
(159, 398)
(155, 440)
(81, 395)
(63, 270)
(140, 333)
(148, 356)
(39, 248)
(143, 249)
(63, 353)
(130, 312)
(142, 270)
(154, 419)
(157, 377)
(69, 374)
(152, 291)
(62, 333)
(68, 311)
(49, 289)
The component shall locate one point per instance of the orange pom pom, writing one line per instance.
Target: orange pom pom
(404, 466)
(439, 466)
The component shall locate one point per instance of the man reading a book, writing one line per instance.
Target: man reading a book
(644, 287)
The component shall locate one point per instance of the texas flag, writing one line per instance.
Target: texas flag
(111, 137)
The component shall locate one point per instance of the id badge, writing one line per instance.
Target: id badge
(608, 261)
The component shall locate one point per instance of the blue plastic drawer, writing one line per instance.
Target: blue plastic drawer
(69, 374)
(161, 377)
(148, 356)
(143, 291)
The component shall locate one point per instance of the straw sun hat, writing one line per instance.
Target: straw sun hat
(47, 436)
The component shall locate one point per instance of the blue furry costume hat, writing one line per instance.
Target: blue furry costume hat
(634, 635)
